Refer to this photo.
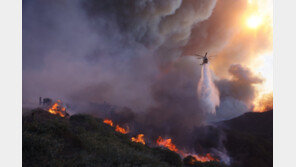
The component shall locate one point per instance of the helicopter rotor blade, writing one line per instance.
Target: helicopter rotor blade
(198, 55)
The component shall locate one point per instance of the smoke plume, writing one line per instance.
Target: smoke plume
(207, 91)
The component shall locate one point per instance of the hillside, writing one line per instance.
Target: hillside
(258, 124)
(83, 140)
(249, 139)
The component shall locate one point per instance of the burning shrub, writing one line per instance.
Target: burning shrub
(192, 161)
(139, 139)
(166, 143)
(57, 109)
(121, 129)
(117, 128)
(109, 122)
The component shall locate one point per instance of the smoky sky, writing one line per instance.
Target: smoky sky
(134, 54)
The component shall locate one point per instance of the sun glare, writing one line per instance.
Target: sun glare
(254, 21)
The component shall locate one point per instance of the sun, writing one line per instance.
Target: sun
(254, 21)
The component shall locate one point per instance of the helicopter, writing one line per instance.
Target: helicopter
(204, 58)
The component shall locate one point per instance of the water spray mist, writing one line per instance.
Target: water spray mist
(207, 91)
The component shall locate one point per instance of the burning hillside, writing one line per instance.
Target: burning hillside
(165, 143)
(101, 140)
(104, 146)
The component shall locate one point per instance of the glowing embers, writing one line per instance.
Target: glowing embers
(139, 139)
(117, 128)
(57, 109)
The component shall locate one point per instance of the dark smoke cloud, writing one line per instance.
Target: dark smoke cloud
(214, 34)
(103, 50)
(123, 52)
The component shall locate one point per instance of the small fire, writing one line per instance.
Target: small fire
(117, 128)
(139, 139)
(109, 122)
(205, 158)
(121, 129)
(57, 108)
(166, 143)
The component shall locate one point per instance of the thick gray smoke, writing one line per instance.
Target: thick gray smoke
(125, 53)
(95, 51)
(207, 91)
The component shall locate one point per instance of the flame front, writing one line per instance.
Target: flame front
(139, 139)
(205, 158)
(121, 129)
(117, 128)
(56, 108)
(166, 143)
(108, 121)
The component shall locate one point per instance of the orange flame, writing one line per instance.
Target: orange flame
(121, 129)
(166, 143)
(117, 128)
(56, 108)
(108, 121)
(205, 158)
(139, 139)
